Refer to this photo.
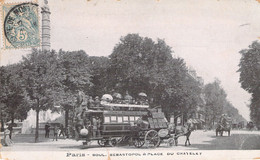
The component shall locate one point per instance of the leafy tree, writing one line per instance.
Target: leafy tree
(3, 107)
(249, 68)
(39, 71)
(3, 115)
(215, 98)
(13, 98)
(98, 68)
(182, 92)
(255, 108)
(231, 111)
(73, 76)
(139, 64)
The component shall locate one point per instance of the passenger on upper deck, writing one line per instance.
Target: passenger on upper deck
(97, 102)
(128, 99)
(117, 98)
(142, 99)
(91, 104)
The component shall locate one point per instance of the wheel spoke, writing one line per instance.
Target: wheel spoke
(152, 139)
(138, 142)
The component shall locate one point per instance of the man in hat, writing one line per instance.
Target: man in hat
(91, 104)
(10, 128)
(47, 130)
(62, 131)
(97, 102)
(55, 132)
(89, 128)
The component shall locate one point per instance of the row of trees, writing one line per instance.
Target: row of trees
(137, 64)
(249, 68)
(217, 104)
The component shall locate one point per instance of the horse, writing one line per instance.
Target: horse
(182, 131)
(223, 127)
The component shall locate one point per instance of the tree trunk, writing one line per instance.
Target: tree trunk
(206, 122)
(12, 119)
(2, 123)
(37, 126)
(66, 122)
(182, 119)
(37, 121)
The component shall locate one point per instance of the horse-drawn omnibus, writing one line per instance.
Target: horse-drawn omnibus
(114, 123)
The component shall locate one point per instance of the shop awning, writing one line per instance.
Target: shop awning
(193, 121)
(196, 121)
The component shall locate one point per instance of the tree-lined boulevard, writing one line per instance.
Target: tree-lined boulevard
(43, 80)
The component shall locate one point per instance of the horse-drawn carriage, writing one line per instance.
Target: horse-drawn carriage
(136, 124)
(224, 124)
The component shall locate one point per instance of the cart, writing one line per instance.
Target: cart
(224, 125)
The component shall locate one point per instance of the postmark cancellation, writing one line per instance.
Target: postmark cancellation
(20, 25)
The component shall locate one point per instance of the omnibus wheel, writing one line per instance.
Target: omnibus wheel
(152, 139)
(102, 142)
(138, 142)
(113, 142)
(170, 142)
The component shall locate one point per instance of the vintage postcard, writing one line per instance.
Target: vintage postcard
(139, 79)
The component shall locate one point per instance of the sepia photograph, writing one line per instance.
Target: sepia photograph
(121, 79)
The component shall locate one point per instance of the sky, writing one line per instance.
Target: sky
(207, 34)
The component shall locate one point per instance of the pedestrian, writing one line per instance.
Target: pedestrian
(78, 126)
(69, 132)
(62, 131)
(47, 130)
(55, 132)
(7, 140)
(89, 128)
(10, 128)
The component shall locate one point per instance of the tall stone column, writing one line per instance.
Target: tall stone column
(46, 44)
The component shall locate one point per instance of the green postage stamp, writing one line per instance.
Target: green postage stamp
(20, 25)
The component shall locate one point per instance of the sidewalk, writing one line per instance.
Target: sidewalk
(29, 138)
(25, 142)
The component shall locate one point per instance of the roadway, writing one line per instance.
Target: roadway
(200, 140)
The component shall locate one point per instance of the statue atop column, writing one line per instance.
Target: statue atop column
(45, 7)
